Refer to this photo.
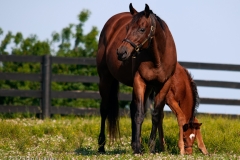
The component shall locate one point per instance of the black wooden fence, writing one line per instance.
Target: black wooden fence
(46, 77)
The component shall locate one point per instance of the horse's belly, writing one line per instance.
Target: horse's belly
(121, 72)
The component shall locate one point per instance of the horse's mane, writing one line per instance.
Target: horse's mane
(140, 14)
(196, 99)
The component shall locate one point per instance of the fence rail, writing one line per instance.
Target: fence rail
(46, 77)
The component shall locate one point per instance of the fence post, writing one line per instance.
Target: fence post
(46, 86)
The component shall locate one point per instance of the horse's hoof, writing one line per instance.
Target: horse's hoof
(101, 150)
(152, 151)
(138, 152)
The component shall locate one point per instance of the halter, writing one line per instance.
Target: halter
(138, 47)
(149, 37)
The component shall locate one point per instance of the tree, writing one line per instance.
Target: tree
(70, 42)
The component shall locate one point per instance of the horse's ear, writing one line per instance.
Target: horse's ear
(132, 10)
(147, 11)
(185, 127)
(197, 125)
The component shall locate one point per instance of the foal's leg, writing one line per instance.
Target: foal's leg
(173, 104)
(200, 142)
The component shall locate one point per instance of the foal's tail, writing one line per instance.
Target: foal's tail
(113, 112)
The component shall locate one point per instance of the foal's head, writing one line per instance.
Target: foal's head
(139, 33)
(190, 131)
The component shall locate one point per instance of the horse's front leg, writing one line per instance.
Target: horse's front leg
(137, 113)
(157, 117)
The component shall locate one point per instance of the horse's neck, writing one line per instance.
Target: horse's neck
(184, 83)
(158, 53)
(164, 50)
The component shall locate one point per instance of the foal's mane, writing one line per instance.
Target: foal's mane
(196, 99)
(140, 14)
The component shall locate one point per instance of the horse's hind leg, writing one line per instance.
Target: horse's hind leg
(102, 138)
(108, 88)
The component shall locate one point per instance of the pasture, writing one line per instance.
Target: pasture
(75, 137)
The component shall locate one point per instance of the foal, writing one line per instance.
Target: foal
(183, 99)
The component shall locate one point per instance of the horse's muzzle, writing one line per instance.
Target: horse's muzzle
(122, 53)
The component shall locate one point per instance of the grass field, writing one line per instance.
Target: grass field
(76, 138)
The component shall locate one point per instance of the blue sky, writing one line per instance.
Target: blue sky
(204, 31)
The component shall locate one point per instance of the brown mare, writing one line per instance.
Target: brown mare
(183, 99)
(138, 50)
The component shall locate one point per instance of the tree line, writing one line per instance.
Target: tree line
(69, 42)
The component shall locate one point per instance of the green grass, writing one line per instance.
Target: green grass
(76, 138)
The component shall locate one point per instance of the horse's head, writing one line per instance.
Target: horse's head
(189, 135)
(139, 33)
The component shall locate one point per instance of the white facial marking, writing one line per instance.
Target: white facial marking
(191, 136)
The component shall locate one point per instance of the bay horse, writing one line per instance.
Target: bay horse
(183, 100)
(138, 50)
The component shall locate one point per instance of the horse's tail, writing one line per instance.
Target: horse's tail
(196, 99)
(113, 112)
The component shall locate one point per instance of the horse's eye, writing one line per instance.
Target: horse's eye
(142, 29)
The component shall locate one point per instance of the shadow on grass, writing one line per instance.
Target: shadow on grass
(170, 146)
(89, 151)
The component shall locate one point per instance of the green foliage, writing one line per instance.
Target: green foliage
(75, 137)
(69, 42)
(84, 15)
(1, 31)
(5, 42)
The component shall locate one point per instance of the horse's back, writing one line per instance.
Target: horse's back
(115, 23)
(180, 83)
(182, 88)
